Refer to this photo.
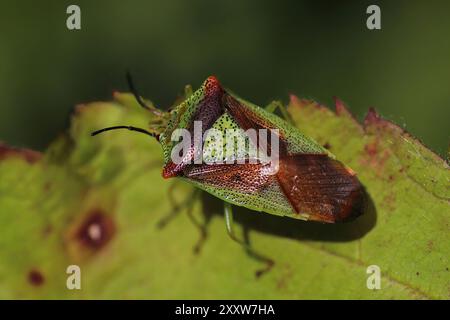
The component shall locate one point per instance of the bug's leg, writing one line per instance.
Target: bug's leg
(176, 207)
(228, 210)
(201, 227)
(187, 204)
(271, 107)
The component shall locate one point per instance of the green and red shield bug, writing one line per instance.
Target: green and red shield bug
(299, 179)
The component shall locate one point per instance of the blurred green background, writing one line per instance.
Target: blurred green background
(262, 50)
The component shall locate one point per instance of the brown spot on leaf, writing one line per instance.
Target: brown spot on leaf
(389, 201)
(417, 273)
(35, 277)
(382, 128)
(375, 124)
(96, 230)
(47, 186)
(47, 230)
(371, 148)
(375, 156)
(28, 155)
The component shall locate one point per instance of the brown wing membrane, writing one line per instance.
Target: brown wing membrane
(322, 187)
(313, 183)
(243, 177)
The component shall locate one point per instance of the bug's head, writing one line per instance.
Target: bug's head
(204, 105)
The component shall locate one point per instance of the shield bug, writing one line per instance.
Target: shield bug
(298, 178)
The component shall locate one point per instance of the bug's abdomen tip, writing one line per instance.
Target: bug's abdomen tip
(321, 187)
(354, 206)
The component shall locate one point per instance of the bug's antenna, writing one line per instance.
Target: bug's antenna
(138, 97)
(128, 128)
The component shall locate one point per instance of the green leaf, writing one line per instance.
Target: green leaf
(99, 202)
